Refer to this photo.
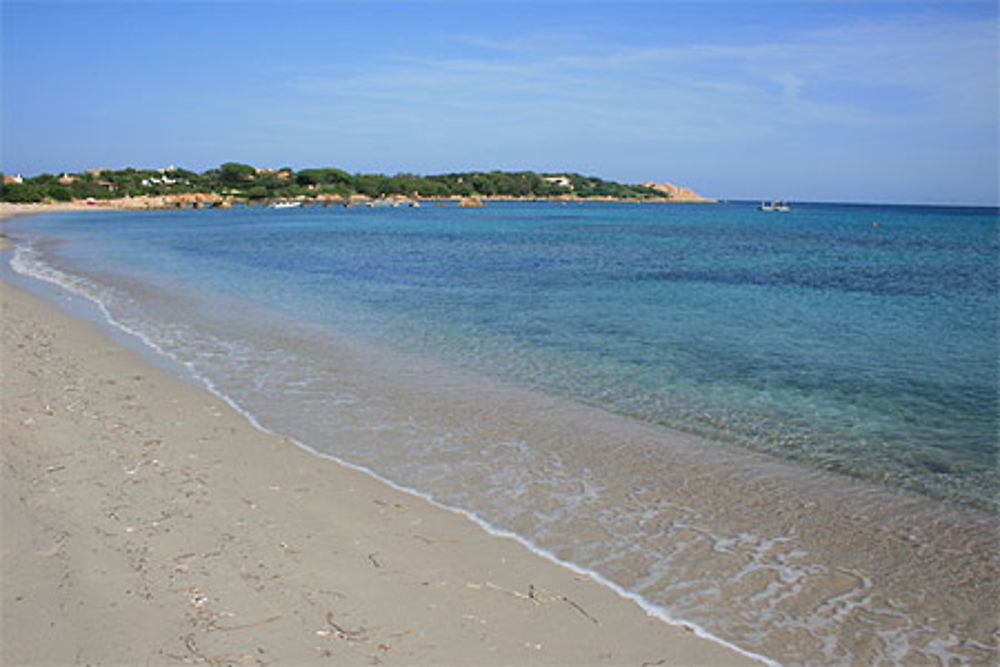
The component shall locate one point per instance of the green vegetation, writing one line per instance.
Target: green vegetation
(246, 181)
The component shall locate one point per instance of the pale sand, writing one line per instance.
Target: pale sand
(147, 522)
(9, 209)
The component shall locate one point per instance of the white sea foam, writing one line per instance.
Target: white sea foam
(27, 262)
(664, 573)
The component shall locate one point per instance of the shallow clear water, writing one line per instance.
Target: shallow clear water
(404, 340)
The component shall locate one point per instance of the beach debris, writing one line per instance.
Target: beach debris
(339, 631)
(537, 596)
(429, 541)
(580, 609)
(532, 596)
(214, 627)
(192, 647)
(179, 563)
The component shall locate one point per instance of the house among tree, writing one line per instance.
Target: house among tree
(160, 180)
(562, 181)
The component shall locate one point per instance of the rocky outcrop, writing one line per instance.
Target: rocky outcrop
(677, 193)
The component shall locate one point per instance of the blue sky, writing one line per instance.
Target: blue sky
(804, 100)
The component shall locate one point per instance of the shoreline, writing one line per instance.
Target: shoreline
(890, 547)
(181, 527)
(203, 200)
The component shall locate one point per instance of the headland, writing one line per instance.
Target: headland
(235, 183)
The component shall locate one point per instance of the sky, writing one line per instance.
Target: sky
(807, 100)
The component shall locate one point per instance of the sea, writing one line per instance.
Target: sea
(778, 428)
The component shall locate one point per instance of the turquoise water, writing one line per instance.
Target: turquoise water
(616, 382)
(815, 336)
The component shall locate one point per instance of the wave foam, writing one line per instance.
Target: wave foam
(27, 262)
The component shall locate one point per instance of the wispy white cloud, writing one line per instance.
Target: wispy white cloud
(941, 71)
(886, 94)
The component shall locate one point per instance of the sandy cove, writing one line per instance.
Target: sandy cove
(144, 521)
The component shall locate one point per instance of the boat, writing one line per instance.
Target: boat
(775, 205)
(284, 204)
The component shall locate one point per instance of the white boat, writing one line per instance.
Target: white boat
(775, 205)
(284, 204)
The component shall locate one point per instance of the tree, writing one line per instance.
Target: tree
(60, 192)
(256, 192)
(21, 193)
(309, 177)
(234, 173)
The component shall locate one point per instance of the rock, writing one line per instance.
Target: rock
(677, 193)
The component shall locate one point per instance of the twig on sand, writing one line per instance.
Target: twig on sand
(244, 659)
(580, 609)
(191, 646)
(226, 628)
(341, 632)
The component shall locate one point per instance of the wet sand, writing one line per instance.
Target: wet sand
(144, 521)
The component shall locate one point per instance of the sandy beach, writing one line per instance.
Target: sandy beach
(147, 522)
(9, 209)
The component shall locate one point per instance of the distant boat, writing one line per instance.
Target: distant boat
(284, 204)
(774, 206)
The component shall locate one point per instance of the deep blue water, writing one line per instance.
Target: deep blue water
(814, 335)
